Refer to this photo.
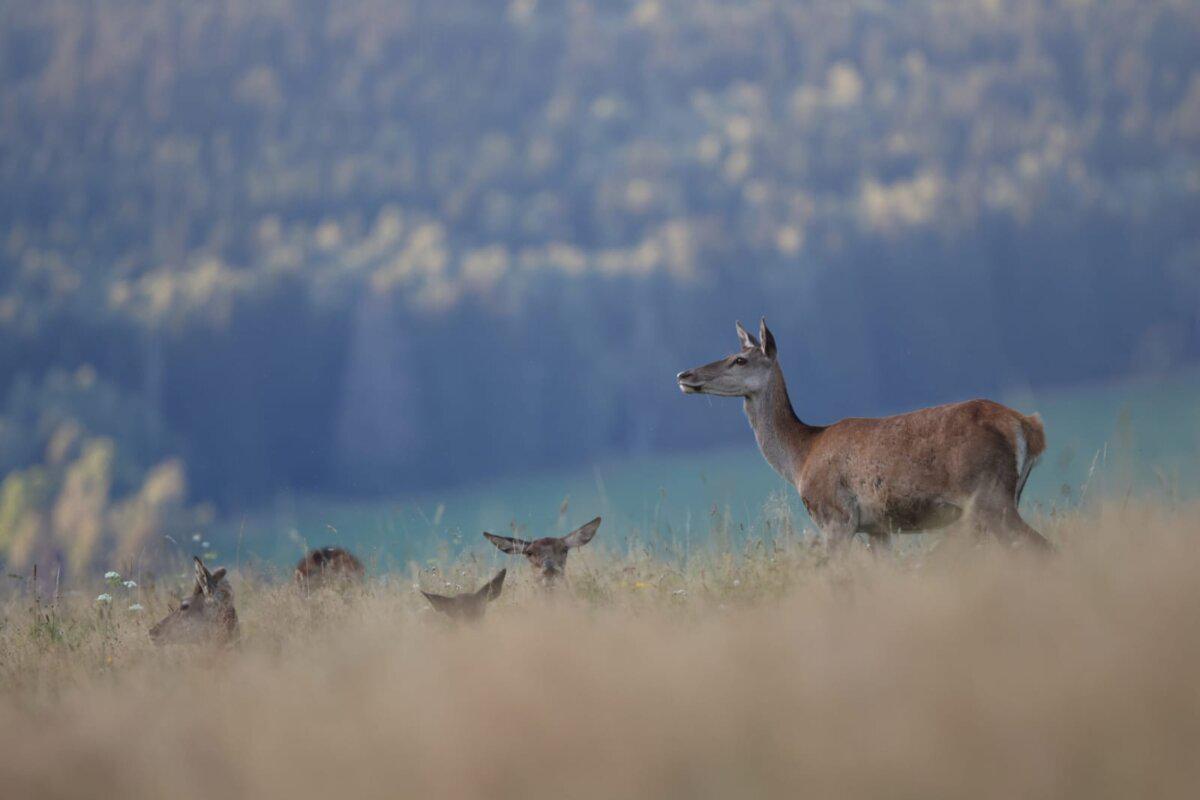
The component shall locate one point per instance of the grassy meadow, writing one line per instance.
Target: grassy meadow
(760, 668)
(706, 644)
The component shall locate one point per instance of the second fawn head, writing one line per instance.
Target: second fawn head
(470, 606)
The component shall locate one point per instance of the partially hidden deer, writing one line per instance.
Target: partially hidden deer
(471, 605)
(333, 567)
(901, 474)
(547, 555)
(207, 616)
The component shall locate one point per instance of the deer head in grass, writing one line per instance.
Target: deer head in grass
(548, 555)
(333, 567)
(206, 616)
(471, 605)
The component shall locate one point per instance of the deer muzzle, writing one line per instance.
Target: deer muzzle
(688, 383)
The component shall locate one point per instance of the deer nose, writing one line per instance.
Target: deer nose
(686, 375)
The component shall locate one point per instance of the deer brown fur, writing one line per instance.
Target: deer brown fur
(328, 566)
(901, 474)
(207, 615)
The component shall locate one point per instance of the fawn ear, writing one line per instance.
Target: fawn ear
(202, 574)
(516, 547)
(446, 605)
(745, 338)
(768, 339)
(582, 535)
(491, 589)
(217, 575)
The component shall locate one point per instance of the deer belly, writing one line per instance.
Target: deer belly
(913, 516)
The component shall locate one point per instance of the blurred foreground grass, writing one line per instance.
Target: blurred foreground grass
(765, 668)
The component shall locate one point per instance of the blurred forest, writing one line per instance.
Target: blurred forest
(374, 245)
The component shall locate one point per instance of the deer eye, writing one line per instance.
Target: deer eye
(739, 361)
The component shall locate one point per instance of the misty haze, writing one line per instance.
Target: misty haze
(300, 298)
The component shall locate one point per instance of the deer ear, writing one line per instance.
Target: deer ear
(202, 574)
(217, 575)
(745, 338)
(446, 605)
(491, 589)
(582, 535)
(516, 547)
(768, 339)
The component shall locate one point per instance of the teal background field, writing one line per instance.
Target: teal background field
(1103, 440)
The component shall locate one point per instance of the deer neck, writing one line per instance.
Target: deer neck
(783, 439)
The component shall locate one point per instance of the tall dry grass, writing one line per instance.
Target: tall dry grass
(773, 671)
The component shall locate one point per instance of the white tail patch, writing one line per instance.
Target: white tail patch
(1024, 463)
(1022, 453)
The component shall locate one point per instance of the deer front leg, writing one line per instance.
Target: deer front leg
(838, 525)
(881, 542)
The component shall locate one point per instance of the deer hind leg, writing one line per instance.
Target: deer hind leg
(1026, 532)
(996, 513)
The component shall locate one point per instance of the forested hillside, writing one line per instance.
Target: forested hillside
(373, 245)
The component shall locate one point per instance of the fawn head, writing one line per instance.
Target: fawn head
(207, 615)
(742, 374)
(328, 566)
(471, 605)
(549, 555)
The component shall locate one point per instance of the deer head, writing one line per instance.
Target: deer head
(208, 615)
(549, 555)
(327, 566)
(743, 374)
(470, 606)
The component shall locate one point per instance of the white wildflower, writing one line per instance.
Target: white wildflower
(196, 537)
(112, 576)
(680, 592)
(136, 607)
(736, 582)
(130, 585)
(104, 598)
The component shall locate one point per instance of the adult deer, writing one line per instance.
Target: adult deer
(207, 616)
(327, 566)
(547, 555)
(902, 474)
(470, 606)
